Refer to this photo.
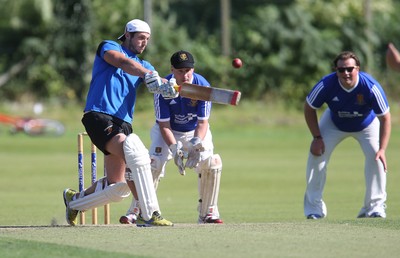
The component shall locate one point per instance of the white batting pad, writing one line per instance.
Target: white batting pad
(209, 182)
(111, 193)
(138, 161)
(156, 170)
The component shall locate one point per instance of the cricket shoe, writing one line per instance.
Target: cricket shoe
(70, 214)
(128, 219)
(361, 216)
(373, 215)
(314, 216)
(156, 220)
(377, 215)
(209, 219)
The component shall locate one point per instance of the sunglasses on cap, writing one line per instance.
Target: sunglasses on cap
(347, 69)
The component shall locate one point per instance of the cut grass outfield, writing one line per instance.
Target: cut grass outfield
(264, 152)
(270, 239)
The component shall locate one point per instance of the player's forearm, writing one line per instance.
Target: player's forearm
(166, 133)
(130, 66)
(134, 68)
(311, 118)
(201, 129)
(384, 131)
(393, 57)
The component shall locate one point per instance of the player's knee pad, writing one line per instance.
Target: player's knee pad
(136, 156)
(156, 166)
(156, 170)
(213, 164)
(216, 164)
(103, 194)
(138, 161)
(135, 152)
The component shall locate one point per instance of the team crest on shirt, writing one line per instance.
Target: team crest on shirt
(192, 103)
(360, 99)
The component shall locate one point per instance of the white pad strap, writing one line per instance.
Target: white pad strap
(209, 181)
(111, 193)
(138, 161)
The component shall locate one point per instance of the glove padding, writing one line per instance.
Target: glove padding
(153, 81)
(195, 147)
(179, 154)
(168, 91)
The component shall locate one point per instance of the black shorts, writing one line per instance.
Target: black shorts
(102, 127)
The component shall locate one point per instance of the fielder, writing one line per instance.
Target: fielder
(357, 108)
(393, 57)
(108, 114)
(182, 132)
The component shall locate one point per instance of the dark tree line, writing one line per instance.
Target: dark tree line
(47, 46)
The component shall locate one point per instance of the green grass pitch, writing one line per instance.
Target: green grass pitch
(263, 150)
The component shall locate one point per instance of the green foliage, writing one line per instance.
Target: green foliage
(286, 46)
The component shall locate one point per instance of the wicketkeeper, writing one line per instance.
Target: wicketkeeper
(182, 133)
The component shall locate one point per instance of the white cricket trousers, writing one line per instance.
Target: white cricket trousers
(160, 149)
(375, 176)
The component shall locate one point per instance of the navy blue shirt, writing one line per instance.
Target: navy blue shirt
(182, 113)
(351, 110)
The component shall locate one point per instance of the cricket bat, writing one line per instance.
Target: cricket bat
(215, 95)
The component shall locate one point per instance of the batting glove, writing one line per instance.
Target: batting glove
(168, 91)
(179, 154)
(153, 81)
(195, 148)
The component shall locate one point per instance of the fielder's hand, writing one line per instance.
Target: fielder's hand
(168, 91)
(179, 155)
(317, 147)
(153, 81)
(195, 147)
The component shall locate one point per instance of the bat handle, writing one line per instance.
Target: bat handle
(177, 88)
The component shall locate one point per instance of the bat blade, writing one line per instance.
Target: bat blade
(215, 95)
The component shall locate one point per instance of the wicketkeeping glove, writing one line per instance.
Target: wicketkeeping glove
(168, 91)
(179, 154)
(195, 147)
(153, 81)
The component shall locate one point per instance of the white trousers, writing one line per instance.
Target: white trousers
(375, 176)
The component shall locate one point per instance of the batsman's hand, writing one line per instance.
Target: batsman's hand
(179, 154)
(153, 81)
(168, 91)
(195, 147)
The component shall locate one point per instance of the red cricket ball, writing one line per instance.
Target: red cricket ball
(237, 63)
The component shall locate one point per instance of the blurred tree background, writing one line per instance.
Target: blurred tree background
(47, 46)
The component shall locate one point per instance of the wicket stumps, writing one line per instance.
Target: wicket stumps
(81, 178)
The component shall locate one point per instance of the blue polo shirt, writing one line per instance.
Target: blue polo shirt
(113, 91)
